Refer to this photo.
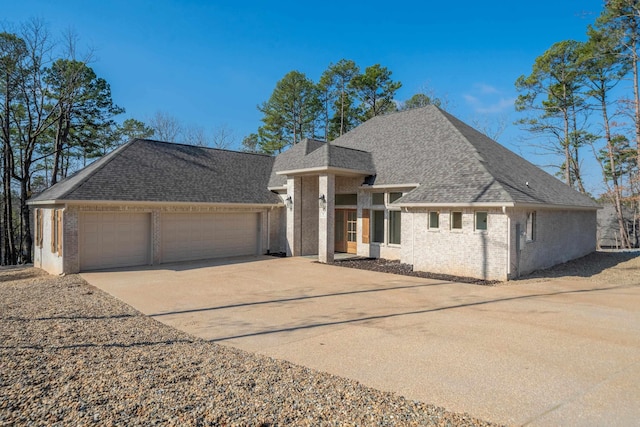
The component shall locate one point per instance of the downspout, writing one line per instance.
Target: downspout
(269, 230)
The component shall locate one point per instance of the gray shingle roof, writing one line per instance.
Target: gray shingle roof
(313, 154)
(453, 163)
(145, 170)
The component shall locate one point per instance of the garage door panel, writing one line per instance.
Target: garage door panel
(195, 236)
(109, 240)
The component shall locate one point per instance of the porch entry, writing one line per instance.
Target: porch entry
(346, 231)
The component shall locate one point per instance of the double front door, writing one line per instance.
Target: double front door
(346, 231)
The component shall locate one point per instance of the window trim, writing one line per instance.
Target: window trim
(383, 199)
(451, 222)
(390, 230)
(475, 221)
(429, 224)
(373, 222)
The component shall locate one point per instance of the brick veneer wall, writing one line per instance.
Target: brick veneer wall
(465, 252)
(560, 236)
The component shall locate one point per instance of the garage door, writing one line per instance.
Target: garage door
(195, 236)
(110, 240)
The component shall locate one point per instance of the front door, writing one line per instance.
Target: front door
(346, 231)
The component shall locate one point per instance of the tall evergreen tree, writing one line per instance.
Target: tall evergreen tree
(84, 107)
(620, 19)
(375, 90)
(603, 71)
(290, 114)
(553, 91)
(338, 98)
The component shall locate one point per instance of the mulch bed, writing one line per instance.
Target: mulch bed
(396, 267)
(587, 266)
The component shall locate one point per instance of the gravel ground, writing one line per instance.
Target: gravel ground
(71, 354)
(615, 267)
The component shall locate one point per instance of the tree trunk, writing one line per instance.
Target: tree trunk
(27, 245)
(617, 193)
(7, 213)
(8, 237)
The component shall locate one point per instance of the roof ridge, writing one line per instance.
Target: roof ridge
(157, 141)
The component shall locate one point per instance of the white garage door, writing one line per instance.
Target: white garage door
(193, 236)
(110, 240)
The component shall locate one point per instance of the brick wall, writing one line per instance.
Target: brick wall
(465, 252)
(560, 236)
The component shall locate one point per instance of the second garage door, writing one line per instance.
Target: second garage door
(193, 236)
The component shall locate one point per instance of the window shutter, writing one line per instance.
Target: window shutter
(365, 226)
(38, 227)
(60, 229)
(53, 230)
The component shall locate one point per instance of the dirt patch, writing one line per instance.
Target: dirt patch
(612, 267)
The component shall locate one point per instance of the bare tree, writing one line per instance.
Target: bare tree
(222, 136)
(194, 135)
(165, 126)
(492, 130)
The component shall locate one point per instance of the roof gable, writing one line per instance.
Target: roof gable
(314, 156)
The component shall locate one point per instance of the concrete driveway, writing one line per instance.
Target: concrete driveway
(544, 353)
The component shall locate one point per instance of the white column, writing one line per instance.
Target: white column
(293, 209)
(326, 218)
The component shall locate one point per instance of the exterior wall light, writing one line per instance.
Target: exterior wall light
(323, 201)
(289, 202)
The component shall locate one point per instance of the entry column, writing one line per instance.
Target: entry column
(326, 217)
(293, 210)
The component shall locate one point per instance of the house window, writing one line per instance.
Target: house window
(456, 220)
(56, 231)
(377, 226)
(394, 196)
(377, 199)
(531, 226)
(481, 221)
(434, 220)
(394, 227)
(346, 199)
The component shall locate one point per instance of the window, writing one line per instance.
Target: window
(346, 199)
(531, 226)
(481, 221)
(377, 227)
(434, 220)
(394, 196)
(394, 227)
(385, 223)
(456, 220)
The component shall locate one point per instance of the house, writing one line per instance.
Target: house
(609, 229)
(419, 186)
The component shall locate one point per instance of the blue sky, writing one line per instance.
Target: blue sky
(210, 63)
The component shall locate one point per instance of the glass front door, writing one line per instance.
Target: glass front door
(346, 235)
